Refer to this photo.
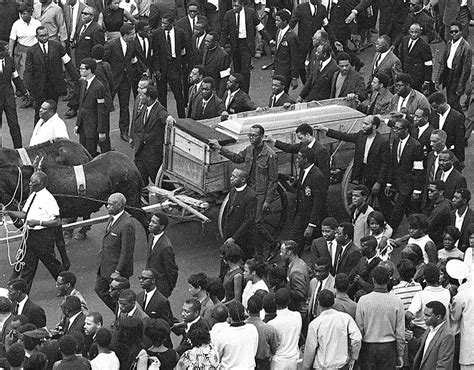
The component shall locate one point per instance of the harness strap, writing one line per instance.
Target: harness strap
(25, 158)
(80, 179)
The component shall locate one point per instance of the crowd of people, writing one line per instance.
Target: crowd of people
(329, 298)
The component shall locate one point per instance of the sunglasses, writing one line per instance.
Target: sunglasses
(86, 13)
(454, 31)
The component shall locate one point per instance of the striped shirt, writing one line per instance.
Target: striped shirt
(406, 291)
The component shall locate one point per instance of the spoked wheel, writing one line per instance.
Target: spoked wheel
(274, 220)
(164, 182)
(346, 188)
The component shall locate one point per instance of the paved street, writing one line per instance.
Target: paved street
(196, 246)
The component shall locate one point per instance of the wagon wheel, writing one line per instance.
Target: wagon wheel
(346, 188)
(164, 182)
(274, 220)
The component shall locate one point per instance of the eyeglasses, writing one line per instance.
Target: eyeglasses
(86, 13)
(192, 11)
(144, 278)
(83, 68)
(454, 31)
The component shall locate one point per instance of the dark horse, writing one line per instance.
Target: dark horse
(60, 151)
(108, 173)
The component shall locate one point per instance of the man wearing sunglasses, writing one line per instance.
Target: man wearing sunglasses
(455, 66)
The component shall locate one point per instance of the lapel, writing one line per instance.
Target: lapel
(458, 50)
(433, 342)
(114, 225)
(346, 81)
(374, 143)
(232, 199)
(83, 89)
(373, 62)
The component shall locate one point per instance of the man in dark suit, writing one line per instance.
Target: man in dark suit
(423, 130)
(143, 53)
(454, 71)
(305, 135)
(371, 157)
(445, 117)
(116, 254)
(346, 82)
(209, 105)
(462, 216)
(415, 56)
(451, 176)
(380, 98)
(235, 99)
(195, 80)
(129, 309)
(239, 216)
(197, 42)
(23, 305)
(93, 322)
(238, 28)
(216, 62)
(437, 344)
(311, 196)
(279, 97)
(87, 36)
(169, 44)
(318, 85)
(406, 99)
(153, 303)
(72, 12)
(92, 124)
(385, 60)
(405, 173)
(161, 255)
(287, 53)
(347, 253)
(7, 95)
(191, 318)
(44, 70)
(326, 245)
(73, 317)
(148, 135)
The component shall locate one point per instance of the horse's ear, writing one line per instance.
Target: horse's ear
(37, 163)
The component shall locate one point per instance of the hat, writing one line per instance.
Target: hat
(37, 333)
(457, 269)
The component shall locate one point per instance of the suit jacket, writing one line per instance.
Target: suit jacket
(346, 261)
(35, 313)
(311, 196)
(121, 65)
(92, 116)
(239, 218)
(390, 65)
(44, 73)
(418, 62)
(424, 139)
(194, 93)
(149, 136)
(213, 108)
(416, 100)
(440, 351)
(104, 73)
(319, 248)
(314, 309)
(76, 325)
(307, 25)
(144, 61)
(7, 96)
(461, 71)
(139, 314)
(217, 64)
(424, 19)
(298, 282)
(157, 308)
(230, 31)
(454, 182)
(406, 175)
(162, 53)
(118, 244)
(281, 101)
(321, 155)
(353, 84)
(454, 128)
(468, 219)
(84, 42)
(287, 56)
(161, 257)
(198, 52)
(380, 102)
(68, 20)
(318, 85)
(378, 158)
(240, 102)
(185, 25)
(364, 269)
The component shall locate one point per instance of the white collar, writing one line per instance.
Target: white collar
(151, 292)
(132, 311)
(241, 188)
(72, 318)
(116, 217)
(307, 169)
(463, 215)
(283, 31)
(311, 144)
(447, 173)
(278, 96)
(445, 114)
(456, 44)
(404, 141)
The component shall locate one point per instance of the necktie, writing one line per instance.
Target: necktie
(145, 116)
(279, 38)
(330, 252)
(109, 224)
(194, 24)
(273, 101)
(204, 103)
(145, 301)
(439, 174)
(144, 47)
(432, 171)
(168, 39)
(15, 308)
(377, 61)
(71, 17)
(66, 326)
(2, 65)
(399, 151)
(83, 30)
(410, 45)
(238, 23)
(43, 48)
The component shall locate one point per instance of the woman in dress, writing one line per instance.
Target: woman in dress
(114, 19)
(382, 232)
(418, 230)
(203, 355)
(233, 279)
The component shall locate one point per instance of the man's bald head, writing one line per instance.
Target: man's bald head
(116, 203)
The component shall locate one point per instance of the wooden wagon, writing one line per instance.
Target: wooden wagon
(189, 163)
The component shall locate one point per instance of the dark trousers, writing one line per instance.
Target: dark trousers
(12, 120)
(173, 77)
(451, 96)
(148, 167)
(102, 285)
(39, 247)
(105, 145)
(242, 60)
(89, 143)
(378, 356)
(123, 92)
(262, 364)
(402, 206)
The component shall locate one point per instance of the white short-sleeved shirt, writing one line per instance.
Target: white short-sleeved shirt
(25, 33)
(43, 207)
(429, 294)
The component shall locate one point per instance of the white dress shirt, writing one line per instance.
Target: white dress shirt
(442, 117)
(47, 130)
(452, 52)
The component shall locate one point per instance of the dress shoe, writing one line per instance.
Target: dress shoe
(124, 136)
(71, 113)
